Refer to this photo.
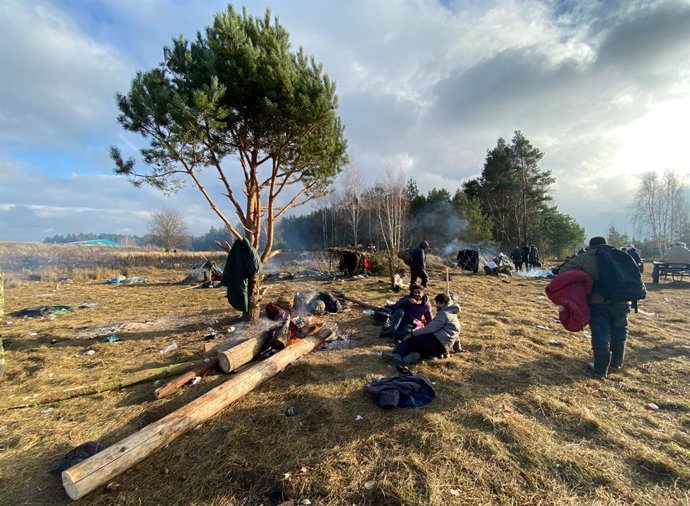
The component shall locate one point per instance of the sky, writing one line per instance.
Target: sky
(424, 86)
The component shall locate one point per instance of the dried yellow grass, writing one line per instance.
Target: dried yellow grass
(570, 440)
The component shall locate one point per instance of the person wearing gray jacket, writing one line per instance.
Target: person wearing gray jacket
(439, 337)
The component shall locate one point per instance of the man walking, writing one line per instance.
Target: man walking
(418, 265)
(613, 273)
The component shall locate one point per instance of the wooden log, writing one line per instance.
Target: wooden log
(180, 381)
(69, 393)
(98, 470)
(281, 338)
(211, 348)
(244, 352)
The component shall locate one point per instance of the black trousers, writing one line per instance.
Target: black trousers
(426, 345)
(418, 273)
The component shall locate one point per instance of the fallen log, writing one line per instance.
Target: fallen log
(69, 393)
(368, 305)
(98, 470)
(180, 381)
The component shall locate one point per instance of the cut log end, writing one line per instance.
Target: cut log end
(225, 363)
(70, 487)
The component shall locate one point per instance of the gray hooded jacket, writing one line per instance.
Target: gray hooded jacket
(445, 326)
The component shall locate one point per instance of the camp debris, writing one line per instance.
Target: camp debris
(204, 273)
(42, 311)
(124, 280)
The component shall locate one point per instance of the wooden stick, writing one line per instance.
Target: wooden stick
(98, 470)
(177, 383)
(447, 282)
(362, 303)
(139, 377)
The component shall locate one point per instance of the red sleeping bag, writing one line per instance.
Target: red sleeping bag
(570, 290)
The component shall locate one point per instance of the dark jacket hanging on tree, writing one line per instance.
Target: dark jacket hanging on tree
(243, 261)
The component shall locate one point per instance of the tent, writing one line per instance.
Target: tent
(208, 271)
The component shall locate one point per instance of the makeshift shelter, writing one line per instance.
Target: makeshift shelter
(208, 271)
(468, 260)
(352, 261)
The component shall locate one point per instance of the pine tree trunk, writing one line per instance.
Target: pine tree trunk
(252, 313)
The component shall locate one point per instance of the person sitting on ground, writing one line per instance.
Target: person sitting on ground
(438, 338)
(491, 268)
(410, 312)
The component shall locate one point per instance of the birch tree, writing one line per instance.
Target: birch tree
(392, 214)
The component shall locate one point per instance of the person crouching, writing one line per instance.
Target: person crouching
(439, 337)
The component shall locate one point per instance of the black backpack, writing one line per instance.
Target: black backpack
(619, 276)
(405, 255)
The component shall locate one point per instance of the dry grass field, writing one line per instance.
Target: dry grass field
(516, 420)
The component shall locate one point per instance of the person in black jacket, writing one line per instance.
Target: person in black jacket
(525, 255)
(418, 265)
(630, 250)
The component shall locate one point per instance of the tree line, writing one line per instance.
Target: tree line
(508, 204)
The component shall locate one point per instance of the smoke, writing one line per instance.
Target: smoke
(487, 249)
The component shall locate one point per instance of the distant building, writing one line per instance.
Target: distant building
(97, 242)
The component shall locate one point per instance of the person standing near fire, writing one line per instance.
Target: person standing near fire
(418, 264)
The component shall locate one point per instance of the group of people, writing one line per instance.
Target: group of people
(525, 256)
(418, 334)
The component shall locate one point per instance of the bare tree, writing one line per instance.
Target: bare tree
(168, 229)
(660, 208)
(351, 200)
(392, 215)
(370, 202)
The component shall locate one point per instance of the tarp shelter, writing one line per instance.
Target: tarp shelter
(208, 271)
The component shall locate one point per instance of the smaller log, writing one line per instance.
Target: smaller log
(133, 379)
(242, 353)
(211, 348)
(177, 383)
(281, 338)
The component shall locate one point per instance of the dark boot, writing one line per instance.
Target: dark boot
(600, 366)
(617, 355)
(411, 358)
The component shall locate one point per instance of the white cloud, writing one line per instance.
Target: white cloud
(58, 84)
(603, 88)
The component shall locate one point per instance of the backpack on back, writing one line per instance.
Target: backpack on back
(405, 255)
(619, 276)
